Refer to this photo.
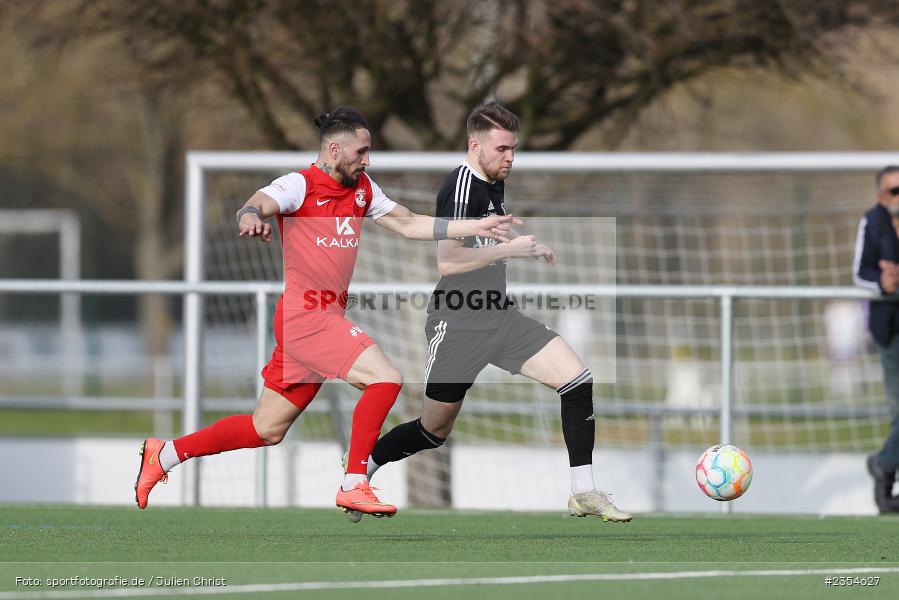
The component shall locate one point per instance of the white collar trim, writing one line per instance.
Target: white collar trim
(474, 171)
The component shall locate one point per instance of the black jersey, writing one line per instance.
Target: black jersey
(472, 300)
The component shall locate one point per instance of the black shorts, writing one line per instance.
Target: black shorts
(455, 357)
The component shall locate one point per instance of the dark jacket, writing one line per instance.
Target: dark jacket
(876, 241)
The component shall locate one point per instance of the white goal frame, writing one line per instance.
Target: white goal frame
(66, 224)
(200, 163)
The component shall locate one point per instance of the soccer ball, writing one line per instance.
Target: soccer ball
(724, 472)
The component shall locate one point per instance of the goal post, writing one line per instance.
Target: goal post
(66, 225)
(785, 378)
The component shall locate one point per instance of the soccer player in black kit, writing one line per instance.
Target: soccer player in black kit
(471, 322)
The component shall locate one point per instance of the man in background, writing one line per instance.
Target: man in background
(876, 268)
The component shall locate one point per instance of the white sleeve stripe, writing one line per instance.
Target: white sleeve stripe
(857, 259)
(456, 196)
(859, 245)
(463, 185)
(463, 193)
(868, 285)
(467, 191)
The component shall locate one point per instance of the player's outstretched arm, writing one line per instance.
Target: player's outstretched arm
(495, 227)
(543, 251)
(252, 215)
(454, 258)
(413, 226)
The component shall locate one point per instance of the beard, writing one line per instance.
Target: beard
(347, 179)
(494, 173)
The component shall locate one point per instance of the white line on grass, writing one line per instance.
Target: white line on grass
(261, 588)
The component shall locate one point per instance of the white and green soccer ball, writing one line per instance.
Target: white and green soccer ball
(724, 472)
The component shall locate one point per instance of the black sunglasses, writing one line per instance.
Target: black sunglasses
(894, 191)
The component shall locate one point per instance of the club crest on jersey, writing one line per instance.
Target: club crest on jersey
(360, 197)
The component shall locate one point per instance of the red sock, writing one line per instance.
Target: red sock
(230, 433)
(368, 417)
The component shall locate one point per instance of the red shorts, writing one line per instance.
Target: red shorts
(312, 345)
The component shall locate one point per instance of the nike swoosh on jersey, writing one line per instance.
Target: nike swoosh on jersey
(322, 202)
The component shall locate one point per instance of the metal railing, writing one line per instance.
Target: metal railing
(261, 290)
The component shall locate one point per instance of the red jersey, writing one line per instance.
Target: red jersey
(321, 223)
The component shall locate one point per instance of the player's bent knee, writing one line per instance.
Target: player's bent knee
(272, 436)
(272, 439)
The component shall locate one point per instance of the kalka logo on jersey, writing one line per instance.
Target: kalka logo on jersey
(343, 228)
(360, 197)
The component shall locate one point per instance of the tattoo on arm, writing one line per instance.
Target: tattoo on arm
(326, 167)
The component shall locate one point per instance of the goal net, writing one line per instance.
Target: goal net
(807, 384)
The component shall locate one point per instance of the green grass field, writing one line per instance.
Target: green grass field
(291, 553)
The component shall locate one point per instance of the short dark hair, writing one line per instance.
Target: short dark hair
(344, 119)
(492, 115)
(884, 171)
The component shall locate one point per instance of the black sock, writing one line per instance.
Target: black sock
(578, 422)
(403, 441)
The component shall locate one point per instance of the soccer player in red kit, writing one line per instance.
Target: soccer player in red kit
(320, 214)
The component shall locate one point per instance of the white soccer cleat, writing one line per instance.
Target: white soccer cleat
(596, 504)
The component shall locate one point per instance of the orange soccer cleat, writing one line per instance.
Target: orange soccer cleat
(363, 500)
(150, 472)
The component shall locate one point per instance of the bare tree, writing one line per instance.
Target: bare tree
(418, 65)
(123, 155)
(601, 63)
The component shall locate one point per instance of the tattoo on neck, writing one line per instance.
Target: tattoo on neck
(326, 167)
